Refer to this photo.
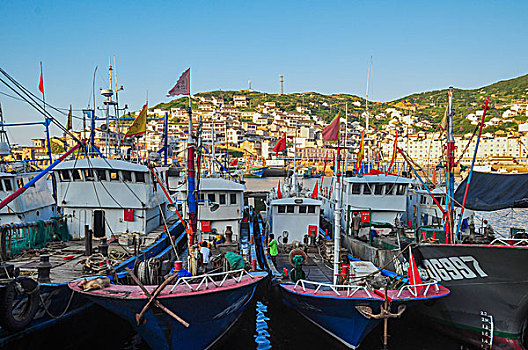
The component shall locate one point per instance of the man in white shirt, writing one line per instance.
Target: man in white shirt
(205, 255)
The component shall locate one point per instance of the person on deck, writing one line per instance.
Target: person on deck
(205, 251)
(356, 224)
(273, 249)
(488, 230)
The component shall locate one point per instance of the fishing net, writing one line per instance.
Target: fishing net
(235, 261)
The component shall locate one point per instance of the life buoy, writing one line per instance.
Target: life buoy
(19, 302)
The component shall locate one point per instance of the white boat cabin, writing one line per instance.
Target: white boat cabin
(36, 203)
(290, 219)
(383, 196)
(220, 206)
(111, 196)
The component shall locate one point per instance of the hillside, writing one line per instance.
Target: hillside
(430, 105)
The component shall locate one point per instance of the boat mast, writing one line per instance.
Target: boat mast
(191, 199)
(367, 113)
(337, 217)
(450, 167)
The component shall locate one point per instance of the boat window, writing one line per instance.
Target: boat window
(101, 174)
(88, 175)
(389, 189)
(378, 189)
(311, 209)
(290, 209)
(345, 188)
(127, 176)
(282, 209)
(302, 209)
(140, 177)
(1, 188)
(211, 197)
(76, 175)
(356, 188)
(233, 198)
(65, 175)
(8, 185)
(438, 199)
(114, 175)
(201, 198)
(222, 199)
(367, 189)
(400, 190)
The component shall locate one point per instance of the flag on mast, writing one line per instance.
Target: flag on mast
(361, 152)
(279, 193)
(331, 132)
(183, 85)
(394, 154)
(414, 274)
(41, 83)
(69, 123)
(139, 126)
(280, 146)
(315, 191)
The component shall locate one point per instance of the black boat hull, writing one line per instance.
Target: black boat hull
(489, 293)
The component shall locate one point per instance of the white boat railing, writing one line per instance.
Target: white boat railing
(413, 289)
(510, 241)
(350, 289)
(206, 279)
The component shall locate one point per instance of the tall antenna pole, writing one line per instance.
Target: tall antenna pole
(367, 112)
(117, 109)
(337, 217)
(191, 195)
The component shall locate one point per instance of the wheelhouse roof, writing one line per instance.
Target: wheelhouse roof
(291, 200)
(100, 163)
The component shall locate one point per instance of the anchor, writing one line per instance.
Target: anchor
(384, 314)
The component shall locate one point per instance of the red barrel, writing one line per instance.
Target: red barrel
(178, 265)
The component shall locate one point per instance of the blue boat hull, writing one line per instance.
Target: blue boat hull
(210, 315)
(337, 316)
(56, 297)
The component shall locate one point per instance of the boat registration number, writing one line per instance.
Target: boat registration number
(454, 268)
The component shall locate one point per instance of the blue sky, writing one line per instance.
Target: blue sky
(319, 46)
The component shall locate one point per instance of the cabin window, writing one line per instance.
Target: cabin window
(290, 209)
(201, 197)
(400, 190)
(356, 188)
(302, 209)
(222, 199)
(378, 189)
(8, 185)
(88, 175)
(345, 188)
(114, 175)
(20, 183)
(65, 175)
(127, 176)
(438, 199)
(311, 209)
(281, 209)
(389, 189)
(233, 198)
(211, 197)
(76, 174)
(101, 174)
(367, 189)
(140, 177)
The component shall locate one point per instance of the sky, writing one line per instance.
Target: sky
(321, 46)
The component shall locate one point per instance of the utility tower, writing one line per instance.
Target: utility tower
(281, 79)
(249, 83)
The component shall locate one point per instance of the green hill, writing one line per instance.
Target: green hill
(430, 105)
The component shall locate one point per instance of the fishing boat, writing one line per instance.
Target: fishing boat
(114, 219)
(193, 310)
(256, 171)
(345, 304)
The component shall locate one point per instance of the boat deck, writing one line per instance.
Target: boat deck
(315, 268)
(67, 258)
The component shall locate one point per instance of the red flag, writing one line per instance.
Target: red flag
(361, 153)
(183, 86)
(280, 146)
(234, 162)
(331, 132)
(414, 274)
(279, 194)
(394, 154)
(41, 83)
(315, 192)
